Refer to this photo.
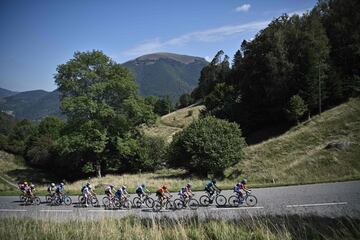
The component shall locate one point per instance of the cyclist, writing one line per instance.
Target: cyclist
(51, 188)
(30, 190)
(140, 190)
(121, 193)
(242, 186)
(160, 193)
(108, 191)
(23, 186)
(185, 192)
(59, 190)
(211, 187)
(86, 192)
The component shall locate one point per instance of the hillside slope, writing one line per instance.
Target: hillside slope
(301, 154)
(33, 105)
(162, 74)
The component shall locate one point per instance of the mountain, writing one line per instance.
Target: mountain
(6, 93)
(33, 105)
(157, 74)
(161, 74)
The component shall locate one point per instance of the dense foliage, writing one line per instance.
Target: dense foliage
(315, 56)
(208, 145)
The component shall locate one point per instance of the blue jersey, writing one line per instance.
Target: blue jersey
(210, 184)
(59, 189)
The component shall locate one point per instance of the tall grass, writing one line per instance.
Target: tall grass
(294, 227)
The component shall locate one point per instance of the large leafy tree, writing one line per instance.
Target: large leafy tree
(100, 99)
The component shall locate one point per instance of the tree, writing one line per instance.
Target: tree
(185, 100)
(163, 106)
(296, 108)
(99, 98)
(208, 145)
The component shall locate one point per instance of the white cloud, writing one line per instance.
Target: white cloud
(243, 8)
(298, 12)
(209, 35)
(207, 58)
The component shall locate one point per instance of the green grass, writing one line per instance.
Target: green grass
(299, 156)
(293, 227)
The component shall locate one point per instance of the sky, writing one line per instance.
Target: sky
(36, 36)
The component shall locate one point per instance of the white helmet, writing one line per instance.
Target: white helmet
(53, 184)
(123, 187)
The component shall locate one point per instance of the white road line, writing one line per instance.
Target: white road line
(100, 210)
(238, 208)
(55, 210)
(316, 204)
(13, 210)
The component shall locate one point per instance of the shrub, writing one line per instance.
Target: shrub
(208, 145)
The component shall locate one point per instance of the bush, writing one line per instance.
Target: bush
(208, 145)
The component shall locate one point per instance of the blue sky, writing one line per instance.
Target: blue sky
(36, 36)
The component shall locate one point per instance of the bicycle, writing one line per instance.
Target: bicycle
(113, 202)
(57, 200)
(92, 199)
(139, 201)
(125, 202)
(206, 200)
(248, 198)
(181, 203)
(31, 200)
(158, 205)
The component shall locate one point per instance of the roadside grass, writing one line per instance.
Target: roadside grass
(291, 227)
(299, 156)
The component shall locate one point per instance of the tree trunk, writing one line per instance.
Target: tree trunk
(98, 167)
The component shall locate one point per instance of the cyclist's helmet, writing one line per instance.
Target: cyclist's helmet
(123, 187)
(32, 186)
(112, 186)
(244, 181)
(188, 185)
(213, 181)
(164, 187)
(52, 184)
(89, 186)
(25, 183)
(62, 184)
(143, 185)
(238, 184)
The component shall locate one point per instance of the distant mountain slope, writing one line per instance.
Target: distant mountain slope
(33, 105)
(162, 74)
(6, 93)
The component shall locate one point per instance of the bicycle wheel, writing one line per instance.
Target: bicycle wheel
(178, 204)
(170, 205)
(127, 204)
(205, 200)
(37, 200)
(94, 201)
(106, 201)
(193, 204)
(117, 203)
(137, 202)
(149, 202)
(220, 200)
(67, 200)
(234, 201)
(48, 198)
(157, 206)
(251, 200)
(22, 197)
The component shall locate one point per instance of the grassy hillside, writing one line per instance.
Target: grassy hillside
(174, 122)
(296, 157)
(300, 155)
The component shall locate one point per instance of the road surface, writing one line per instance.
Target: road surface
(328, 199)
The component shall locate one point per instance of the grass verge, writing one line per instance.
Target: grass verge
(291, 227)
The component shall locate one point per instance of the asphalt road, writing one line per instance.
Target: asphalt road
(328, 199)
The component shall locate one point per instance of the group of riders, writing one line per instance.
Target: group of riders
(162, 192)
